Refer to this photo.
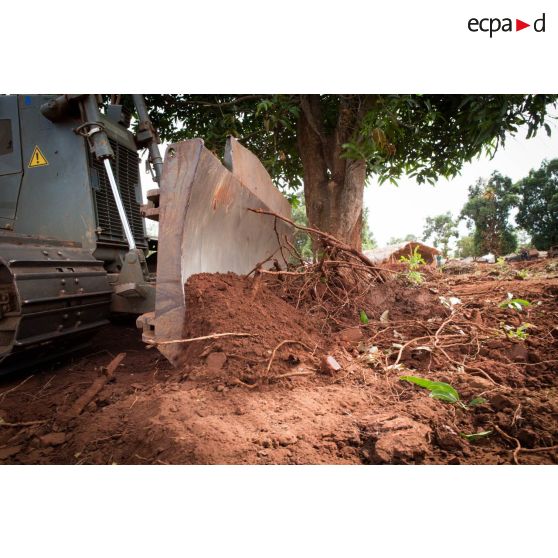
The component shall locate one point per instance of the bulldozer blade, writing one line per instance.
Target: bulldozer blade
(205, 226)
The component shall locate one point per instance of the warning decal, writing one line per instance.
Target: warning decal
(37, 159)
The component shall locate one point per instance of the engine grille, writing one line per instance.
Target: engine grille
(126, 171)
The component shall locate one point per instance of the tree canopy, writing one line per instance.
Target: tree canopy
(488, 209)
(538, 204)
(330, 144)
(465, 247)
(440, 228)
(425, 136)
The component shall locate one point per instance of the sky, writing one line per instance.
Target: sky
(395, 211)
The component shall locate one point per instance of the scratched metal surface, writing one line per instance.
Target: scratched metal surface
(205, 226)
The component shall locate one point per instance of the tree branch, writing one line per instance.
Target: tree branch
(330, 239)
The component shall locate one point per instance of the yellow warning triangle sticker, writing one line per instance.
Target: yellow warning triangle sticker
(37, 159)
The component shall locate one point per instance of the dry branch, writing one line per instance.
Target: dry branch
(519, 447)
(96, 387)
(192, 339)
(336, 286)
(25, 423)
(4, 393)
(326, 237)
(295, 373)
(285, 342)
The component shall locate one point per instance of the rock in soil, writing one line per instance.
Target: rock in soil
(329, 365)
(399, 440)
(215, 361)
(351, 335)
(52, 439)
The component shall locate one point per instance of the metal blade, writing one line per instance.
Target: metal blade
(205, 226)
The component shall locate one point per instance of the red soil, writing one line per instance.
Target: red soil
(234, 403)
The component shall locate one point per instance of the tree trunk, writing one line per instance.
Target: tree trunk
(333, 186)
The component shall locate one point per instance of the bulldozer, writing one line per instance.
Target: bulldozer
(73, 244)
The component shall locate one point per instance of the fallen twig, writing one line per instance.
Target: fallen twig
(539, 450)
(192, 339)
(96, 387)
(403, 347)
(245, 384)
(285, 342)
(3, 394)
(44, 387)
(296, 373)
(519, 447)
(25, 423)
(283, 272)
(516, 415)
(260, 264)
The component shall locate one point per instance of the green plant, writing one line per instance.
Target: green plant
(413, 262)
(519, 333)
(522, 274)
(514, 303)
(501, 262)
(363, 317)
(438, 390)
(443, 391)
(415, 277)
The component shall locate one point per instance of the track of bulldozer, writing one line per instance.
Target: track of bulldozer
(53, 297)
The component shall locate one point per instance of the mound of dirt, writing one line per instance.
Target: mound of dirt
(259, 319)
(258, 329)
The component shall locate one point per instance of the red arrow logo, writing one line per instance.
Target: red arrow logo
(519, 25)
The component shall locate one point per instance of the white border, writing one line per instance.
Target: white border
(288, 46)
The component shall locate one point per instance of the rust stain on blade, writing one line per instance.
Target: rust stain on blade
(223, 195)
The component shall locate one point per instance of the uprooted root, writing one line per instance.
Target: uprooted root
(335, 286)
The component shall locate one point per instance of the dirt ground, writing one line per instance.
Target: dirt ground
(272, 396)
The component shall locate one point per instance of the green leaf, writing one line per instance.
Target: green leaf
(476, 435)
(438, 390)
(422, 382)
(477, 401)
(444, 395)
(363, 317)
(516, 303)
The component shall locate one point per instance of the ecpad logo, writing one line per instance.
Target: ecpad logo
(494, 24)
